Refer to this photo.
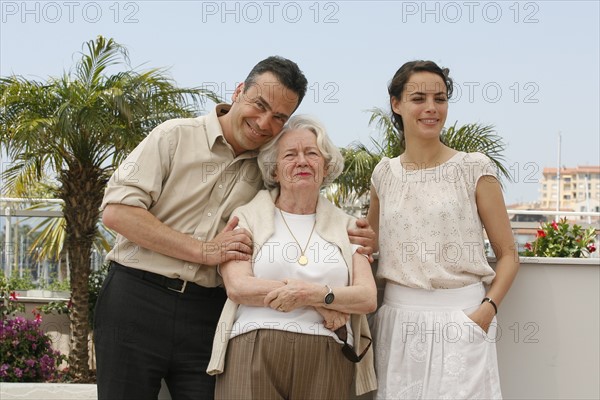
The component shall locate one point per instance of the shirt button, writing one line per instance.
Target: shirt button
(190, 267)
(220, 186)
(209, 214)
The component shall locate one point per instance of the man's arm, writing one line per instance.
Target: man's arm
(141, 227)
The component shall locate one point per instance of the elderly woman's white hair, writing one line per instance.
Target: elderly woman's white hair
(334, 162)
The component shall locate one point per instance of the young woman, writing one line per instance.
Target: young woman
(435, 332)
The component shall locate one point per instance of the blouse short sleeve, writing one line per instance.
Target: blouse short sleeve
(478, 165)
(378, 172)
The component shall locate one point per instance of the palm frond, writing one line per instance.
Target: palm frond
(22, 176)
(49, 239)
(355, 180)
(101, 53)
(391, 140)
(478, 138)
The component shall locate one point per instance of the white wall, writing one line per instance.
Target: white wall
(550, 343)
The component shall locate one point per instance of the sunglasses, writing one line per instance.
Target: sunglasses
(347, 350)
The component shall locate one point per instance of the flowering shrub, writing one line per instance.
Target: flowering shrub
(26, 354)
(9, 304)
(559, 239)
(8, 298)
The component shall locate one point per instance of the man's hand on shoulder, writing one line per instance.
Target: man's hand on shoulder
(364, 236)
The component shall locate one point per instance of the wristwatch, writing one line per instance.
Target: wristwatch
(329, 297)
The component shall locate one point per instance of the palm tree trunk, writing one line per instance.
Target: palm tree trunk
(82, 191)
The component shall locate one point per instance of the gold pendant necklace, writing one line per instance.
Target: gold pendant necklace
(302, 260)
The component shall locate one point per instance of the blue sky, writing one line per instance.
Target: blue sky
(529, 68)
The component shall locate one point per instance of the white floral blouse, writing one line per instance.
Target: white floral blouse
(430, 234)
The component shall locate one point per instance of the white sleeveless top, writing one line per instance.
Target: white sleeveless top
(430, 234)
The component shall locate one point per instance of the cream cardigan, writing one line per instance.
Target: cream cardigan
(332, 224)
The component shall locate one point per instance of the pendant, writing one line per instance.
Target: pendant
(303, 260)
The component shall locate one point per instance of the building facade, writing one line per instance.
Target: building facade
(578, 188)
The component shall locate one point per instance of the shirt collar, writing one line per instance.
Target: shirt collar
(213, 127)
(214, 130)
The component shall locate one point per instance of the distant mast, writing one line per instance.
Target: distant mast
(558, 180)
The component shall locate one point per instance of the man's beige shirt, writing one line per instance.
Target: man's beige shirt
(187, 176)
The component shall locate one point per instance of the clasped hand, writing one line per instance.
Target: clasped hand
(296, 294)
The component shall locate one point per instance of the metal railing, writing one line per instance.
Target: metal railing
(17, 256)
(15, 253)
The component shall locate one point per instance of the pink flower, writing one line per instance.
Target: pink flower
(13, 296)
(591, 247)
(541, 233)
(528, 246)
(554, 225)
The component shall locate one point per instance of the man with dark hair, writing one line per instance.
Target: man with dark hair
(170, 202)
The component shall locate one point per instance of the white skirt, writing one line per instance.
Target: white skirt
(427, 348)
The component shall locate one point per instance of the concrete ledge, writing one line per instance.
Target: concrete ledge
(47, 391)
(57, 391)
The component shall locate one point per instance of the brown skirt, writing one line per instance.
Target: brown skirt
(275, 364)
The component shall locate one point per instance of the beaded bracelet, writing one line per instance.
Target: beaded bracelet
(491, 302)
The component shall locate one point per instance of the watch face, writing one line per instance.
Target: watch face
(329, 298)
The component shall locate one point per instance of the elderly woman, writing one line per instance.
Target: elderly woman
(294, 324)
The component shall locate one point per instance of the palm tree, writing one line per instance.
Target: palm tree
(78, 128)
(359, 161)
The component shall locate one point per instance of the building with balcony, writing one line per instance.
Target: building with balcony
(575, 189)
